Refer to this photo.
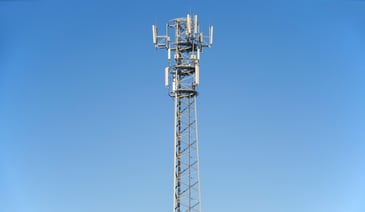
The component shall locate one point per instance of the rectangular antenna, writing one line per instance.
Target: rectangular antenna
(195, 24)
(167, 76)
(169, 54)
(197, 73)
(210, 35)
(154, 34)
(188, 24)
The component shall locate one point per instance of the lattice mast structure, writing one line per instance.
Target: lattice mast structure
(181, 80)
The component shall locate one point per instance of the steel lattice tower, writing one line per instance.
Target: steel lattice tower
(182, 79)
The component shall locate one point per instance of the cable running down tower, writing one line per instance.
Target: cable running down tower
(181, 80)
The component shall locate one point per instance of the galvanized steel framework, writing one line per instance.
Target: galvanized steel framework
(182, 79)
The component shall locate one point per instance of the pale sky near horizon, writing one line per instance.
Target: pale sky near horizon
(86, 124)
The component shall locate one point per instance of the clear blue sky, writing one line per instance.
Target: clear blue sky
(86, 124)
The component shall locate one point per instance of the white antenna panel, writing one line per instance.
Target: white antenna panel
(188, 24)
(167, 76)
(154, 34)
(210, 35)
(195, 24)
(198, 54)
(168, 53)
(197, 73)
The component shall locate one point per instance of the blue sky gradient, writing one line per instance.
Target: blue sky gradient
(86, 123)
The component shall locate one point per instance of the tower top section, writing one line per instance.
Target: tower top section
(186, 31)
(184, 40)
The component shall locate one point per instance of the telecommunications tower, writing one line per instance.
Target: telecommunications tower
(181, 80)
